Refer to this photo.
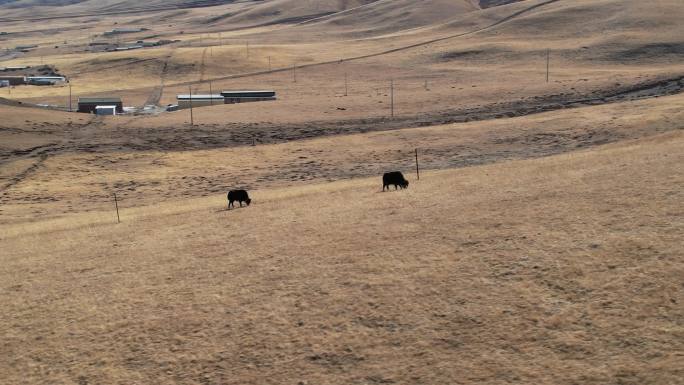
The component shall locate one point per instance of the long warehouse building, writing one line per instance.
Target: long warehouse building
(226, 97)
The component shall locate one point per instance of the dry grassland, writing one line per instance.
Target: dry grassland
(147, 166)
(561, 270)
(505, 61)
(542, 244)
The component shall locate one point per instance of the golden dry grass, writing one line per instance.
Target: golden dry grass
(100, 160)
(506, 60)
(537, 248)
(560, 270)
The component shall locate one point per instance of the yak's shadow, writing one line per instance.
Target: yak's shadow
(226, 209)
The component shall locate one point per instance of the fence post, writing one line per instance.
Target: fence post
(116, 203)
(548, 64)
(392, 98)
(417, 168)
(192, 119)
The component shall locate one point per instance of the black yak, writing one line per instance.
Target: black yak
(395, 178)
(238, 196)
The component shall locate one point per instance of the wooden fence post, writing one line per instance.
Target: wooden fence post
(116, 203)
(417, 168)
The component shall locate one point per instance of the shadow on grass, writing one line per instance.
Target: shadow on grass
(225, 209)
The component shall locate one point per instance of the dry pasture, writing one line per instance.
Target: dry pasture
(541, 245)
(559, 270)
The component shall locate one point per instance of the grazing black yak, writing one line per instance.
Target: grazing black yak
(395, 178)
(238, 196)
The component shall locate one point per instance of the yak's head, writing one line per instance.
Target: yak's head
(248, 201)
(404, 184)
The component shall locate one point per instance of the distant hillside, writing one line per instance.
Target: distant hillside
(106, 4)
(360, 16)
(280, 6)
(29, 3)
(288, 11)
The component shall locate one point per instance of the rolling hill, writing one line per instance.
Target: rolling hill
(540, 244)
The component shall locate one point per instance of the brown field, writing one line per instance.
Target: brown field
(541, 245)
(557, 270)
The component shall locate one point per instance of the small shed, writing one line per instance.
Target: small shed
(25, 47)
(105, 110)
(14, 80)
(89, 105)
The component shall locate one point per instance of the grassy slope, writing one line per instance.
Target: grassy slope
(581, 49)
(100, 159)
(559, 270)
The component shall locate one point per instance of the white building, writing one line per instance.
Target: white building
(45, 80)
(185, 101)
(117, 31)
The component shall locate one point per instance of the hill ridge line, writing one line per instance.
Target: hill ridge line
(376, 54)
(195, 4)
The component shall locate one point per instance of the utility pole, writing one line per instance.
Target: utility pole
(70, 110)
(294, 72)
(192, 121)
(116, 204)
(211, 95)
(392, 98)
(548, 63)
(346, 86)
